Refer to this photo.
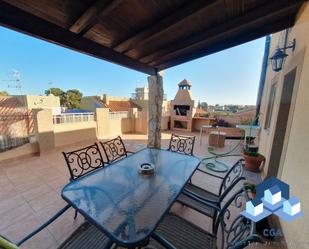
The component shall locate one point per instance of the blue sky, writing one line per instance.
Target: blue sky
(227, 77)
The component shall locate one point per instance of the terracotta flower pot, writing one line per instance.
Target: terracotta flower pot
(253, 163)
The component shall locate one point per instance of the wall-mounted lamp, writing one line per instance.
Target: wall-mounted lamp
(278, 58)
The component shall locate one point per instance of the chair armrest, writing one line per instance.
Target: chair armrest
(203, 201)
(189, 192)
(164, 242)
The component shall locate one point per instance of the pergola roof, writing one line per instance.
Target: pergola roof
(149, 35)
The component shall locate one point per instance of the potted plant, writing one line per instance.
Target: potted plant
(251, 190)
(253, 160)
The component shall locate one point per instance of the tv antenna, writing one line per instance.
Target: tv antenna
(15, 79)
(50, 83)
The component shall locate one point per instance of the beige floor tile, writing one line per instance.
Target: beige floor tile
(23, 178)
(59, 182)
(46, 213)
(10, 203)
(28, 185)
(4, 181)
(42, 240)
(7, 190)
(44, 200)
(14, 216)
(36, 192)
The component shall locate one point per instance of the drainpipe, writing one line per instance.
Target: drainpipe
(262, 79)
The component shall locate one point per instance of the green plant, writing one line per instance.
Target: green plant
(70, 99)
(251, 187)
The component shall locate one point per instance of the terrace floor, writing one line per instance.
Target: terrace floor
(30, 192)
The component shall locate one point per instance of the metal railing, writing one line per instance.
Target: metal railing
(64, 118)
(7, 142)
(15, 129)
(118, 115)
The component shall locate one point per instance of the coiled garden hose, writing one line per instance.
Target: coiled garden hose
(214, 166)
(223, 167)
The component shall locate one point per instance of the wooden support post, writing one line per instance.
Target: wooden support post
(155, 84)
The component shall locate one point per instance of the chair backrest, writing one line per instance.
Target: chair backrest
(84, 160)
(182, 144)
(233, 175)
(114, 149)
(232, 230)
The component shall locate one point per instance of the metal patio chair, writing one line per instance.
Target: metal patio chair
(228, 233)
(232, 175)
(182, 144)
(207, 202)
(83, 161)
(84, 237)
(114, 149)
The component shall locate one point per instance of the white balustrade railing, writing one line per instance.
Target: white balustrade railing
(118, 115)
(64, 118)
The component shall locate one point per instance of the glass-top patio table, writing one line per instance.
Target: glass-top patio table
(126, 205)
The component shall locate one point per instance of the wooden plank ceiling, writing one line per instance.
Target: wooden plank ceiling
(148, 35)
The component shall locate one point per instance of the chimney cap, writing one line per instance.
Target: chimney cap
(184, 83)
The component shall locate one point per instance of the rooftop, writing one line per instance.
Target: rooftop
(30, 192)
(121, 106)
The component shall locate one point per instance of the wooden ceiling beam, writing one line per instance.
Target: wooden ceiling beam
(275, 10)
(22, 21)
(91, 16)
(230, 42)
(164, 25)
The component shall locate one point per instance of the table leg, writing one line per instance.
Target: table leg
(201, 133)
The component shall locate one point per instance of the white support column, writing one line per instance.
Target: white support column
(155, 84)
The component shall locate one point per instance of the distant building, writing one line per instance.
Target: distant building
(254, 207)
(141, 98)
(17, 122)
(291, 206)
(29, 102)
(11, 106)
(122, 106)
(141, 93)
(219, 108)
(272, 195)
(114, 104)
